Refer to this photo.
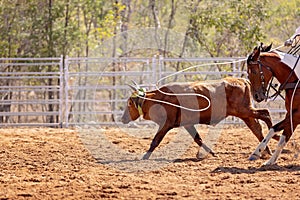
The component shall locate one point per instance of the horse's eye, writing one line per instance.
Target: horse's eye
(252, 71)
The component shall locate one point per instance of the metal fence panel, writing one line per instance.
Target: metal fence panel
(82, 91)
(96, 90)
(31, 90)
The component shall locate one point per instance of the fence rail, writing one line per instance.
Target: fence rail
(93, 91)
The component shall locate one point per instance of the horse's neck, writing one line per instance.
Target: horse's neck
(281, 69)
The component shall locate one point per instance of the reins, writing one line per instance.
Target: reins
(296, 47)
(262, 77)
(287, 85)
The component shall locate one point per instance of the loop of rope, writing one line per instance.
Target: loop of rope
(187, 94)
(190, 94)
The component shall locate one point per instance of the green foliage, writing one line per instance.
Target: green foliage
(45, 28)
(285, 19)
(228, 28)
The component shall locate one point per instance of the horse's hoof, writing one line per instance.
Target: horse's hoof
(265, 164)
(146, 156)
(268, 163)
(253, 157)
(213, 154)
(201, 156)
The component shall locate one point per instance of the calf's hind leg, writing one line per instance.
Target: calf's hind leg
(193, 132)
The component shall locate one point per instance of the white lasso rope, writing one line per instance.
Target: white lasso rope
(190, 94)
(187, 94)
(277, 47)
(291, 113)
(291, 118)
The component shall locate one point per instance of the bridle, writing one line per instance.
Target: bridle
(283, 86)
(266, 89)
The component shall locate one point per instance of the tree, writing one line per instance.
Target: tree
(284, 19)
(228, 28)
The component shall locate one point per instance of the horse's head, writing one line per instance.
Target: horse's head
(258, 74)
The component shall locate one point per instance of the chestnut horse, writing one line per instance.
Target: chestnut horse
(261, 68)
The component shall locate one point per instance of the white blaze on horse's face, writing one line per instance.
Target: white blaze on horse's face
(257, 84)
(256, 76)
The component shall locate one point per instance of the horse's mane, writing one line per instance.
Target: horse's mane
(270, 54)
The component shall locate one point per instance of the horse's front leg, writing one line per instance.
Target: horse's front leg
(284, 138)
(282, 142)
(262, 146)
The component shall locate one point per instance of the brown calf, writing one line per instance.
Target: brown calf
(229, 96)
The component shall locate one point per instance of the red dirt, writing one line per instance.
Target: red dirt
(42, 163)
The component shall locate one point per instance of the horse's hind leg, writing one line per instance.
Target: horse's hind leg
(193, 132)
(255, 127)
(282, 142)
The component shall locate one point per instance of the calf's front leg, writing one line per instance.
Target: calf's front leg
(156, 140)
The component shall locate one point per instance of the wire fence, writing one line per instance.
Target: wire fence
(69, 92)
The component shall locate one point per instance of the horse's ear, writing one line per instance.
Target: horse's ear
(268, 48)
(255, 54)
(265, 48)
(261, 45)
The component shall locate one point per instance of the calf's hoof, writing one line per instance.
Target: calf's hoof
(200, 155)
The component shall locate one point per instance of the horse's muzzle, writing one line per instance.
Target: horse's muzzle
(259, 97)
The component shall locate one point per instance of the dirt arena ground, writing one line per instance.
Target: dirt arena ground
(45, 163)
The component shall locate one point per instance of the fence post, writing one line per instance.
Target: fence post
(154, 70)
(66, 89)
(61, 90)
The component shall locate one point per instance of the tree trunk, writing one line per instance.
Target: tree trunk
(50, 49)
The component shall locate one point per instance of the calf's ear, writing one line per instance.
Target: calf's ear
(132, 87)
(136, 85)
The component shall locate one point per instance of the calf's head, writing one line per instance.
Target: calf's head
(133, 108)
